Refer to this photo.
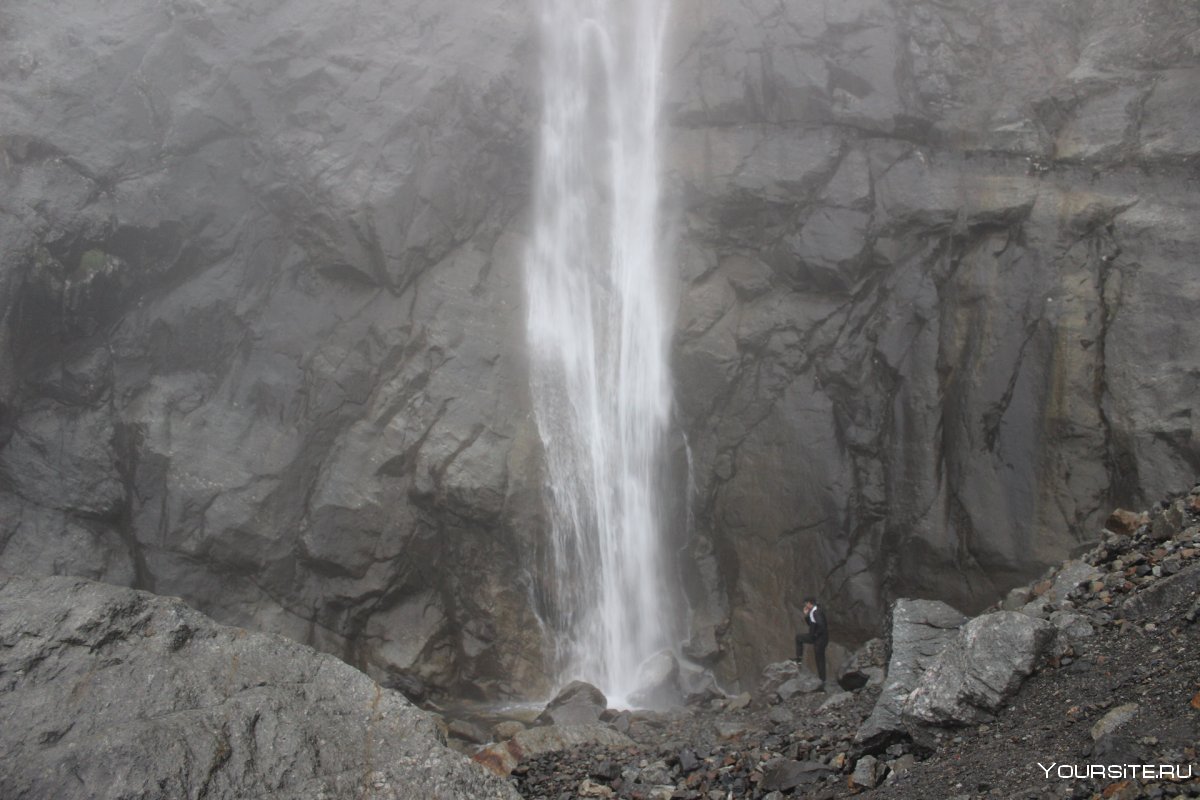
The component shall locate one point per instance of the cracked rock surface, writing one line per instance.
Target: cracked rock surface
(107, 692)
(934, 278)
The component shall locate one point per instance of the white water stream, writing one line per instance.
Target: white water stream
(598, 328)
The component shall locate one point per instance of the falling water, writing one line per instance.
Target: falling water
(598, 329)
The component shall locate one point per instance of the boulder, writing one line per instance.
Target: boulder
(507, 729)
(1114, 740)
(979, 670)
(775, 675)
(466, 731)
(698, 684)
(920, 630)
(112, 693)
(804, 683)
(866, 667)
(658, 682)
(1016, 598)
(1071, 626)
(1069, 576)
(780, 715)
(1166, 523)
(1124, 522)
(867, 773)
(579, 703)
(730, 728)
(1175, 592)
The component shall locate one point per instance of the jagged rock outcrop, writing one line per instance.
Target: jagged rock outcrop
(260, 309)
(107, 692)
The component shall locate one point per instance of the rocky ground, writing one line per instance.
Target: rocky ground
(1119, 685)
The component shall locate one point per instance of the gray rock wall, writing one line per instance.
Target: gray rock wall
(936, 263)
(260, 308)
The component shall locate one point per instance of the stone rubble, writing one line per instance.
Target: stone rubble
(958, 691)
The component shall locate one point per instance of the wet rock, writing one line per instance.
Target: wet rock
(658, 681)
(578, 703)
(203, 709)
(340, 471)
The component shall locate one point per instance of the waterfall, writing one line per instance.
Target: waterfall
(598, 329)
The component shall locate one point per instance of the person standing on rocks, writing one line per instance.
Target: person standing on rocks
(817, 636)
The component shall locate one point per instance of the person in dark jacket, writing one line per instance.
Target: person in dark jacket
(817, 636)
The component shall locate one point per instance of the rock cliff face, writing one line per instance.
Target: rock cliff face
(261, 315)
(260, 312)
(936, 260)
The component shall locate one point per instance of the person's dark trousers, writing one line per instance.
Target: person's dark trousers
(818, 651)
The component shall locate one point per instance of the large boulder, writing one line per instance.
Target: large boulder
(577, 703)
(113, 693)
(658, 681)
(921, 630)
(979, 670)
